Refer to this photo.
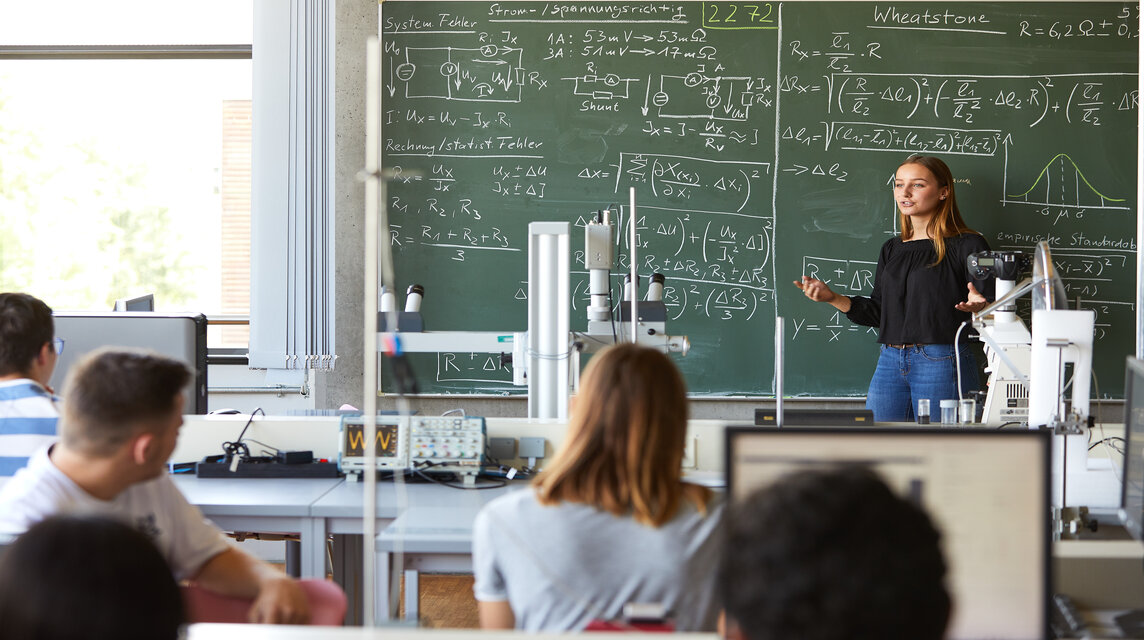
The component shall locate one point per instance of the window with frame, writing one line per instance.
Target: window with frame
(125, 155)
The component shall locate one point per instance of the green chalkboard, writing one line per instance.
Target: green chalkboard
(760, 139)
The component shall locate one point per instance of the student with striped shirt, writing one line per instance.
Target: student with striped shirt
(28, 353)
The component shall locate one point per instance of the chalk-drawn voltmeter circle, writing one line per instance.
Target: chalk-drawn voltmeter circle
(612, 80)
(489, 50)
(713, 100)
(405, 71)
(449, 69)
(692, 79)
(659, 99)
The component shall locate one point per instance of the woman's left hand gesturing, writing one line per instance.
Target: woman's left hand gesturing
(975, 303)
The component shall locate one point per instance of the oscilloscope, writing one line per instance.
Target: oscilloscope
(429, 444)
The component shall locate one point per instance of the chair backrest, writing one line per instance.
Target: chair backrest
(327, 604)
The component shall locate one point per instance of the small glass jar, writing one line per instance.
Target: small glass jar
(923, 411)
(967, 410)
(949, 412)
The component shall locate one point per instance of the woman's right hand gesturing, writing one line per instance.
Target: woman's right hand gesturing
(817, 291)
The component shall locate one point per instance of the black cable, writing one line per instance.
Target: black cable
(268, 446)
(1108, 439)
(611, 300)
(612, 309)
(460, 486)
(250, 420)
(1007, 424)
(238, 447)
(404, 378)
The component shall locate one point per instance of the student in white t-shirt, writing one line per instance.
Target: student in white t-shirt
(122, 414)
(28, 353)
(610, 521)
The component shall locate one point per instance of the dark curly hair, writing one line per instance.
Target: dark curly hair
(78, 577)
(833, 554)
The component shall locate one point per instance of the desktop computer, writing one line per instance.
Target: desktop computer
(178, 335)
(986, 491)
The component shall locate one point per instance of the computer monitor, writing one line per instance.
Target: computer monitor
(986, 490)
(1132, 496)
(145, 302)
(181, 336)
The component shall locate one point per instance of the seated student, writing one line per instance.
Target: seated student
(27, 359)
(831, 555)
(610, 521)
(121, 419)
(79, 577)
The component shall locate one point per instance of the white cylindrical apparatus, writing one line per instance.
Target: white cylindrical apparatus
(413, 298)
(628, 288)
(1007, 313)
(655, 288)
(548, 322)
(598, 284)
(386, 301)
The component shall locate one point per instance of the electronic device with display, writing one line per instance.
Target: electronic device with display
(427, 444)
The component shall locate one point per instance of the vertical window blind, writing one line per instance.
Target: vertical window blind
(292, 208)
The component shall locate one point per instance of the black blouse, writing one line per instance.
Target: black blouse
(913, 302)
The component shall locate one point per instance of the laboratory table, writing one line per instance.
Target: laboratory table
(278, 505)
(430, 535)
(209, 631)
(316, 508)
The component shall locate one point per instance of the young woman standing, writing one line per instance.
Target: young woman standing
(923, 291)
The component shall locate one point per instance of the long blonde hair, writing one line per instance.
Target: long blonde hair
(624, 449)
(947, 223)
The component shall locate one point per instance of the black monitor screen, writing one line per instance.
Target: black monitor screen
(1132, 502)
(138, 303)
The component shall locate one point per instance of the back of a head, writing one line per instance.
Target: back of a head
(26, 325)
(625, 438)
(73, 578)
(109, 392)
(833, 555)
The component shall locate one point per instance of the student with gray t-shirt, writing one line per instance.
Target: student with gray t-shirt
(610, 521)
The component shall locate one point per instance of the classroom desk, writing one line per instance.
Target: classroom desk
(339, 513)
(205, 631)
(279, 505)
(436, 536)
(316, 508)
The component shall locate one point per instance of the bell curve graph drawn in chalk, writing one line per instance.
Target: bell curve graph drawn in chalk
(1061, 183)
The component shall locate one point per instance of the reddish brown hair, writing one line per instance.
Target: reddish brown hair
(624, 449)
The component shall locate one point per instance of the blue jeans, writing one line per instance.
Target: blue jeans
(904, 376)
